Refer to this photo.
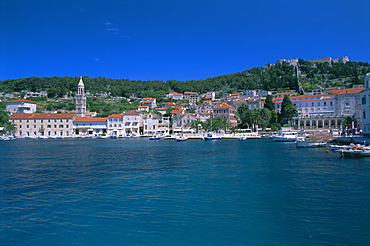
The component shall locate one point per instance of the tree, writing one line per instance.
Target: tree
(269, 104)
(4, 117)
(241, 112)
(263, 117)
(196, 124)
(288, 110)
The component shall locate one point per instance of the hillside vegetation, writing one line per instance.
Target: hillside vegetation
(277, 78)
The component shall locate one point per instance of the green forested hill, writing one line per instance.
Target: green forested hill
(270, 77)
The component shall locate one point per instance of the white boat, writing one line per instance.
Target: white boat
(154, 137)
(354, 152)
(211, 137)
(181, 138)
(288, 137)
(336, 147)
(306, 144)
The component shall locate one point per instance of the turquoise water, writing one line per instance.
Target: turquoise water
(141, 192)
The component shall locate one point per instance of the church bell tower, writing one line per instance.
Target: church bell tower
(81, 99)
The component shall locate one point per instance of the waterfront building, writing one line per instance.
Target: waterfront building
(364, 116)
(20, 106)
(163, 125)
(224, 110)
(43, 125)
(186, 120)
(90, 127)
(324, 110)
(132, 122)
(81, 99)
(150, 124)
(205, 116)
(115, 125)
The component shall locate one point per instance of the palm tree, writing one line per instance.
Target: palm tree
(10, 128)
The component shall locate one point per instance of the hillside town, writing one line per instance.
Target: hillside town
(321, 109)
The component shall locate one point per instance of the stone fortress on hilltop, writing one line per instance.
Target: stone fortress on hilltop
(295, 61)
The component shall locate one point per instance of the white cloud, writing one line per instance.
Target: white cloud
(112, 29)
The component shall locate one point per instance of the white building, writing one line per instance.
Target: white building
(115, 125)
(132, 121)
(150, 124)
(365, 106)
(90, 127)
(324, 111)
(193, 97)
(21, 106)
(43, 125)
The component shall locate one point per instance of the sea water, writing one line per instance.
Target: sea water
(141, 192)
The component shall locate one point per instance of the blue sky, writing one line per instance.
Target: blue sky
(174, 39)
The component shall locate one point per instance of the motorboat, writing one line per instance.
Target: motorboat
(181, 138)
(307, 144)
(211, 137)
(354, 152)
(288, 137)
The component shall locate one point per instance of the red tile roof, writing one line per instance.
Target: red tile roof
(42, 116)
(347, 91)
(131, 112)
(223, 105)
(81, 119)
(23, 100)
(176, 111)
(115, 115)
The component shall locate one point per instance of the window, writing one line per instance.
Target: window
(28, 126)
(324, 103)
(60, 126)
(48, 126)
